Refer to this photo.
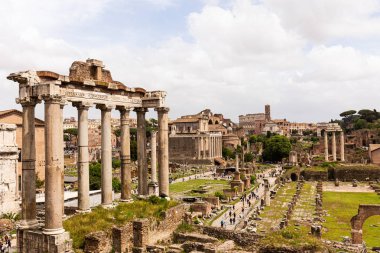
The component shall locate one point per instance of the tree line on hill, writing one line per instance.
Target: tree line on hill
(362, 119)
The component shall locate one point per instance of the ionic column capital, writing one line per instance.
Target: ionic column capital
(162, 109)
(28, 101)
(124, 109)
(140, 109)
(52, 99)
(82, 105)
(105, 107)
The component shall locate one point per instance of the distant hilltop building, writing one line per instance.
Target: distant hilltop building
(199, 138)
(261, 123)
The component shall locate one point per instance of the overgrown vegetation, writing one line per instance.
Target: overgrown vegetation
(341, 207)
(103, 219)
(288, 238)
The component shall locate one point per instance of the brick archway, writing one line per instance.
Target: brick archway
(357, 221)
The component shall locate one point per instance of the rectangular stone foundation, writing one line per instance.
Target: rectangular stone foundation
(34, 241)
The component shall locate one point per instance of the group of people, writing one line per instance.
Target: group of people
(5, 244)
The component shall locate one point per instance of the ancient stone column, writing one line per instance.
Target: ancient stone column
(53, 166)
(106, 154)
(334, 146)
(342, 146)
(142, 167)
(201, 151)
(326, 142)
(237, 162)
(153, 186)
(83, 158)
(61, 106)
(125, 155)
(28, 158)
(163, 151)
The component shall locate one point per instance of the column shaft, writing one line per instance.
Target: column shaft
(142, 167)
(61, 106)
(163, 151)
(125, 155)
(342, 146)
(326, 142)
(28, 157)
(334, 146)
(53, 167)
(83, 160)
(106, 155)
(153, 160)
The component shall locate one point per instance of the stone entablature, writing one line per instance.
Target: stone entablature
(9, 201)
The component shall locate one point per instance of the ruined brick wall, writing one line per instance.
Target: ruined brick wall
(314, 175)
(358, 172)
(97, 242)
(244, 239)
(122, 238)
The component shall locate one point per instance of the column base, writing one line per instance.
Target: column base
(53, 231)
(126, 200)
(83, 211)
(108, 206)
(36, 241)
(153, 189)
(28, 224)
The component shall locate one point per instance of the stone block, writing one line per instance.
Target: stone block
(97, 242)
(140, 233)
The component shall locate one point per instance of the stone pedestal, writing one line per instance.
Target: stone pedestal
(153, 188)
(140, 235)
(237, 182)
(35, 241)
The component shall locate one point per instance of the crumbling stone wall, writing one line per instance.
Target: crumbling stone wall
(244, 239)
(358, 172)
(97, 242)
(310, 175)
(8, 169)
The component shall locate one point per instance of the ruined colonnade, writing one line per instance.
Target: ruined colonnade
(87, 85)
(333, 145)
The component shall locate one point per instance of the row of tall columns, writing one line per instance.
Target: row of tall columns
(54, 159)
(214, 144)
(326, 146)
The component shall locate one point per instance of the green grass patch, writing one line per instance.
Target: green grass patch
(289, 238)
(100, 219)
(341, 207)
(182, 187)
(317, 169)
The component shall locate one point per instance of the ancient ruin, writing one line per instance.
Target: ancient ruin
(88, 85)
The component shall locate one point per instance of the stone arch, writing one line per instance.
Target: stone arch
(294, 177)
(210, 122)
(357, 221)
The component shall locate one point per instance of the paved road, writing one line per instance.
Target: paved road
(242, 209)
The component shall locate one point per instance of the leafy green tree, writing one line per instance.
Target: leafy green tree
(276, 148)
(116, 185)
(228, 153)
(116, 163)
(248, 157)
(95, 176)
(360, 124)
(347, 113)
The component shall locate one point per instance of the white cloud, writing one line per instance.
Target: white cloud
(241, 55)
(321, 20)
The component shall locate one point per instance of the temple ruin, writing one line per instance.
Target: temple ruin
(88, 85)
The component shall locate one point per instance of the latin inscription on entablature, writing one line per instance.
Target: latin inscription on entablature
(73, 95)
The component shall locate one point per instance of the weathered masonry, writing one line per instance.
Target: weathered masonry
(88, 85)
(334, 128)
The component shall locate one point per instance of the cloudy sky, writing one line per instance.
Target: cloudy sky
(310, 60)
